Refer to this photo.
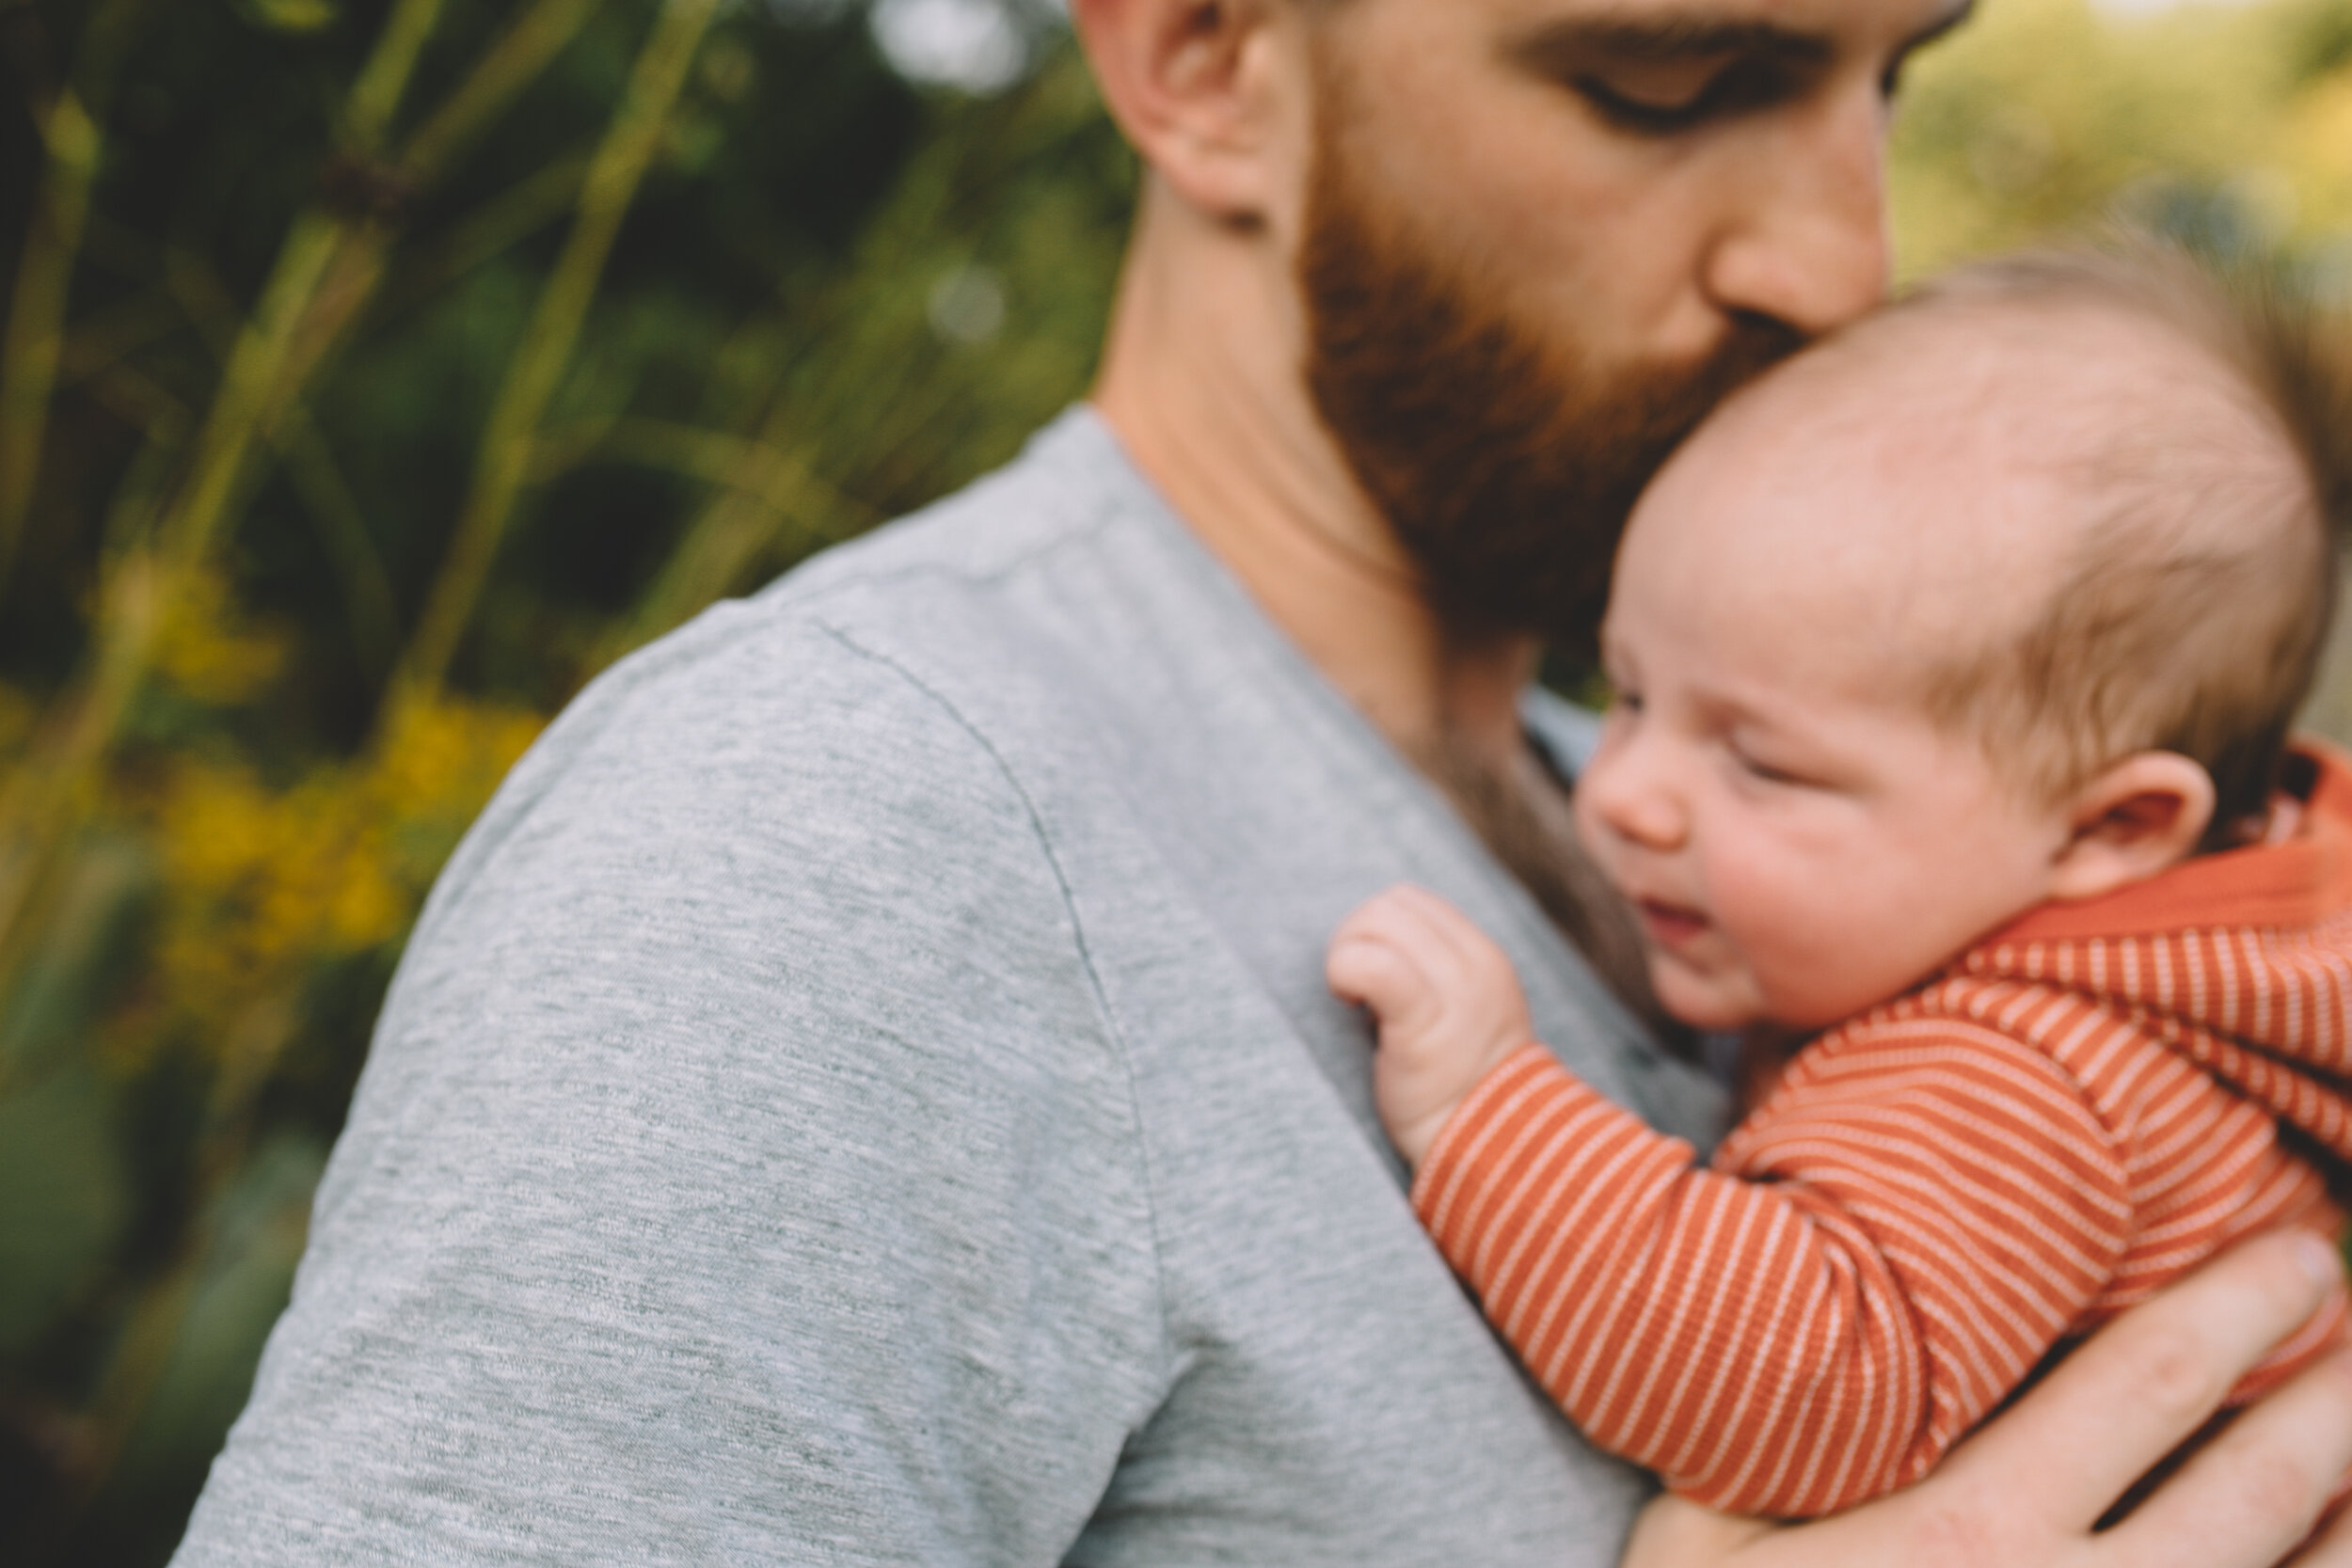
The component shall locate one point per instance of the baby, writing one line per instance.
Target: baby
(1953, 665)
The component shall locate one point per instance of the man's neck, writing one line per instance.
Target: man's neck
(1201, 381)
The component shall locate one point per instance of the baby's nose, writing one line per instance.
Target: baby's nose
(1631, 802)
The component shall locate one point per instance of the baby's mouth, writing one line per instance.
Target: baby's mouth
(1668, 924)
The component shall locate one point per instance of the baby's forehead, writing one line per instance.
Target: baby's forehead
(1924, 478)
(1932, 481)
(2039, 384)
(1938, 441)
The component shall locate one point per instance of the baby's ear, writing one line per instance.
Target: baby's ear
(2131, 821)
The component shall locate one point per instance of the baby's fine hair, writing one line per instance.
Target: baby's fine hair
(2192, 613)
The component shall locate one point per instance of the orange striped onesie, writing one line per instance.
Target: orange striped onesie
(1937, 1192)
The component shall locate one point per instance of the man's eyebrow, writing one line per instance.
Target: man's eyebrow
(1569, 42)
(1565, 43)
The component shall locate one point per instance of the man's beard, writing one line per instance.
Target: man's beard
(1507, 477)
(1507, 467)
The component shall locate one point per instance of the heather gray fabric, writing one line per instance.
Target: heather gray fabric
(864, 1093)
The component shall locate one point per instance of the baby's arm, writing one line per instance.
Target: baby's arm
(1919, 1224)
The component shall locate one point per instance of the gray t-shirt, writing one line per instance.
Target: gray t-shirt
(864, 1093)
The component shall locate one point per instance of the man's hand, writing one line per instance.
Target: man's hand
(2025, 1489)
(1444, 997)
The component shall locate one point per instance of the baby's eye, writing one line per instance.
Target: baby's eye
(1766, 772)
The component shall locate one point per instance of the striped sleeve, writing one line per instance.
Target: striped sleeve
(1882, 1253)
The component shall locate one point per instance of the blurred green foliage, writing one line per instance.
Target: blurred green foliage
(2230, 124)
(276, 612)
(374, 371)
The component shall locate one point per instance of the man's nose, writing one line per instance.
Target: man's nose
(1807, 244)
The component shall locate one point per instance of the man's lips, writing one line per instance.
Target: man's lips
(1668, 924)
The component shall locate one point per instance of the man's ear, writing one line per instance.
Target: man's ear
(1196, 85)
(2132, 821)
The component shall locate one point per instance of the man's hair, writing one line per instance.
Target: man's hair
(2192, 610)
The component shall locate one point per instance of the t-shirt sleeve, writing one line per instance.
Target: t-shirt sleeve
(744, 1169)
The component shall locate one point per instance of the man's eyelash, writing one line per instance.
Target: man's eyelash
(1644, 118)
(1742, 85)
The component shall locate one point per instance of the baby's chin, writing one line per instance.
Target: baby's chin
(1715, 1003)
(1700, 1003)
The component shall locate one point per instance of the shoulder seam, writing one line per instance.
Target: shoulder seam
(1084, 954)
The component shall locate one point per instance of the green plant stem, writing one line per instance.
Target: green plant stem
(343, 530)
(139, 401)
(252, 391)
(384, 80)
(40, 811)
(46, 802)
(491, 229)
(358, 267)
(371, 605)
(503, 466)
(513, 63)
(166, 424)
(108, 336)
(73, 144)
(36, 333)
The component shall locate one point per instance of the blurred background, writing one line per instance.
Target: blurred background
(373, 373)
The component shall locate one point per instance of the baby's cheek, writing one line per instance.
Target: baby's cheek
(1831, 969)
(1802, 957)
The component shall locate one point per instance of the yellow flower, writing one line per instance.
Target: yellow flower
(262, 885)
(210, 650)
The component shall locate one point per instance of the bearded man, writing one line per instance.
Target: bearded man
(865, 1091)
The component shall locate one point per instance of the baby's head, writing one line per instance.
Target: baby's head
(2006, 594)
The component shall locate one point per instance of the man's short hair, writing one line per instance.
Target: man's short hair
(2191, 614)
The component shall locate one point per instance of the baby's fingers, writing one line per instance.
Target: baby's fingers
(1448, 945)
(1365, 967)
(1398, 921)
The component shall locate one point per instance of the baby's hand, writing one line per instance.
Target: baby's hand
(1446, 1001)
